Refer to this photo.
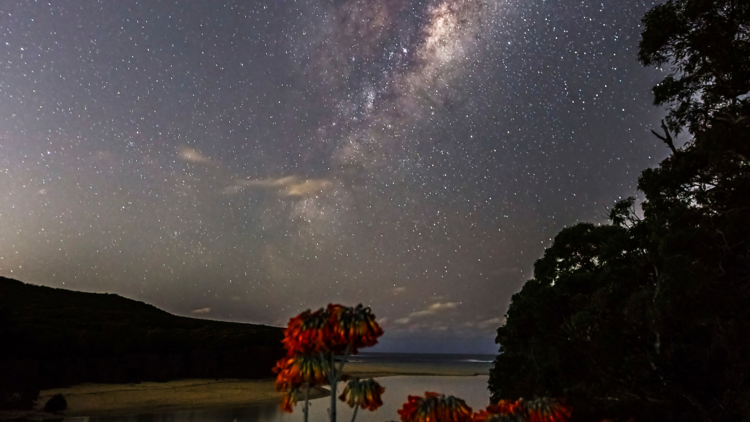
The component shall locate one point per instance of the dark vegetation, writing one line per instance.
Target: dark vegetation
(54, 338)
(648, 317)
(56, 403)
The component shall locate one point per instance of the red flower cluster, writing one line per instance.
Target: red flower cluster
(312, 339)
(289, 399)
(547, 410)
(539, 410)
(354, 328)
(293, 372)
(439, 408)
(331, 330)
(434, 407)
(306, 333)
(503, 411)
(365, 394)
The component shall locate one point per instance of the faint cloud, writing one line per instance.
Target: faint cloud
(491, 323)
(308, 187)
(402, 321)
(435, 308)
(290, 186)
(201, 311)
(439, 307)
(192, 155)
(240, 185)
(397, 290)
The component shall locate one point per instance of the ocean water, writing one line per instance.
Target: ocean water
(439, 359)
(473, 389)
(421, 364)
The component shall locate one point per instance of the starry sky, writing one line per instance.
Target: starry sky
(246, 160)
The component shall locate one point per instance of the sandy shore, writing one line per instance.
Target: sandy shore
(157, 397)
(375, 370)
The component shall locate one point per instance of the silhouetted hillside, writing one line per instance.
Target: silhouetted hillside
(54, 337)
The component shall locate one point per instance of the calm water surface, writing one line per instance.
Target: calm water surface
(472, 389)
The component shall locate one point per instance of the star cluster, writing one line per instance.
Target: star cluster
(248, 160)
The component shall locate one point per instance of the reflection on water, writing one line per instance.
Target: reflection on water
(471, 389)
(433, 358)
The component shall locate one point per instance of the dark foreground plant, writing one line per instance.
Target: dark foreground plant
(314, 341)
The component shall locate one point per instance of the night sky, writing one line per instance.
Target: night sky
(247, 160)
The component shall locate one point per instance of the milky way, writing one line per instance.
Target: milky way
(248, 160)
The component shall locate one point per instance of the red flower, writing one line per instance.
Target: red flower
(365, 394)
(307, 333)
(454, 409)
(539, 410)
(289, 399)
(489, 416)
(352, 327)
(507, 406)
(547, 410)
(295, 371)
(312, 339)
(503, 411)
(331, 330)
(435, 407)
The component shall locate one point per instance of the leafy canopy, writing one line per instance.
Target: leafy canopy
(706, 46)
(647, 317)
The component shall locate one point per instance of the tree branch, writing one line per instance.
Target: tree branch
(667, 138)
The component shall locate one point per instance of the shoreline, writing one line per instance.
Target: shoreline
(390, 369)
(191, 394)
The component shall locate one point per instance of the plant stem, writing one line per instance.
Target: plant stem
(355, 412)
(334, 381)
(336, 377)
(307, 395)
(343, 361)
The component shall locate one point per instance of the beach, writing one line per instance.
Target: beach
(157, 397)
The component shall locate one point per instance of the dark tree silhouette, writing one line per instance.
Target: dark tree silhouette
(707, 45)
(647, 317)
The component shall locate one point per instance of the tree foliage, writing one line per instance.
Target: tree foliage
(706, 44)
(650, 313)
(648, 316)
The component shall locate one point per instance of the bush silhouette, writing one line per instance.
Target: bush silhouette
(16, 399)
(56, 403)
